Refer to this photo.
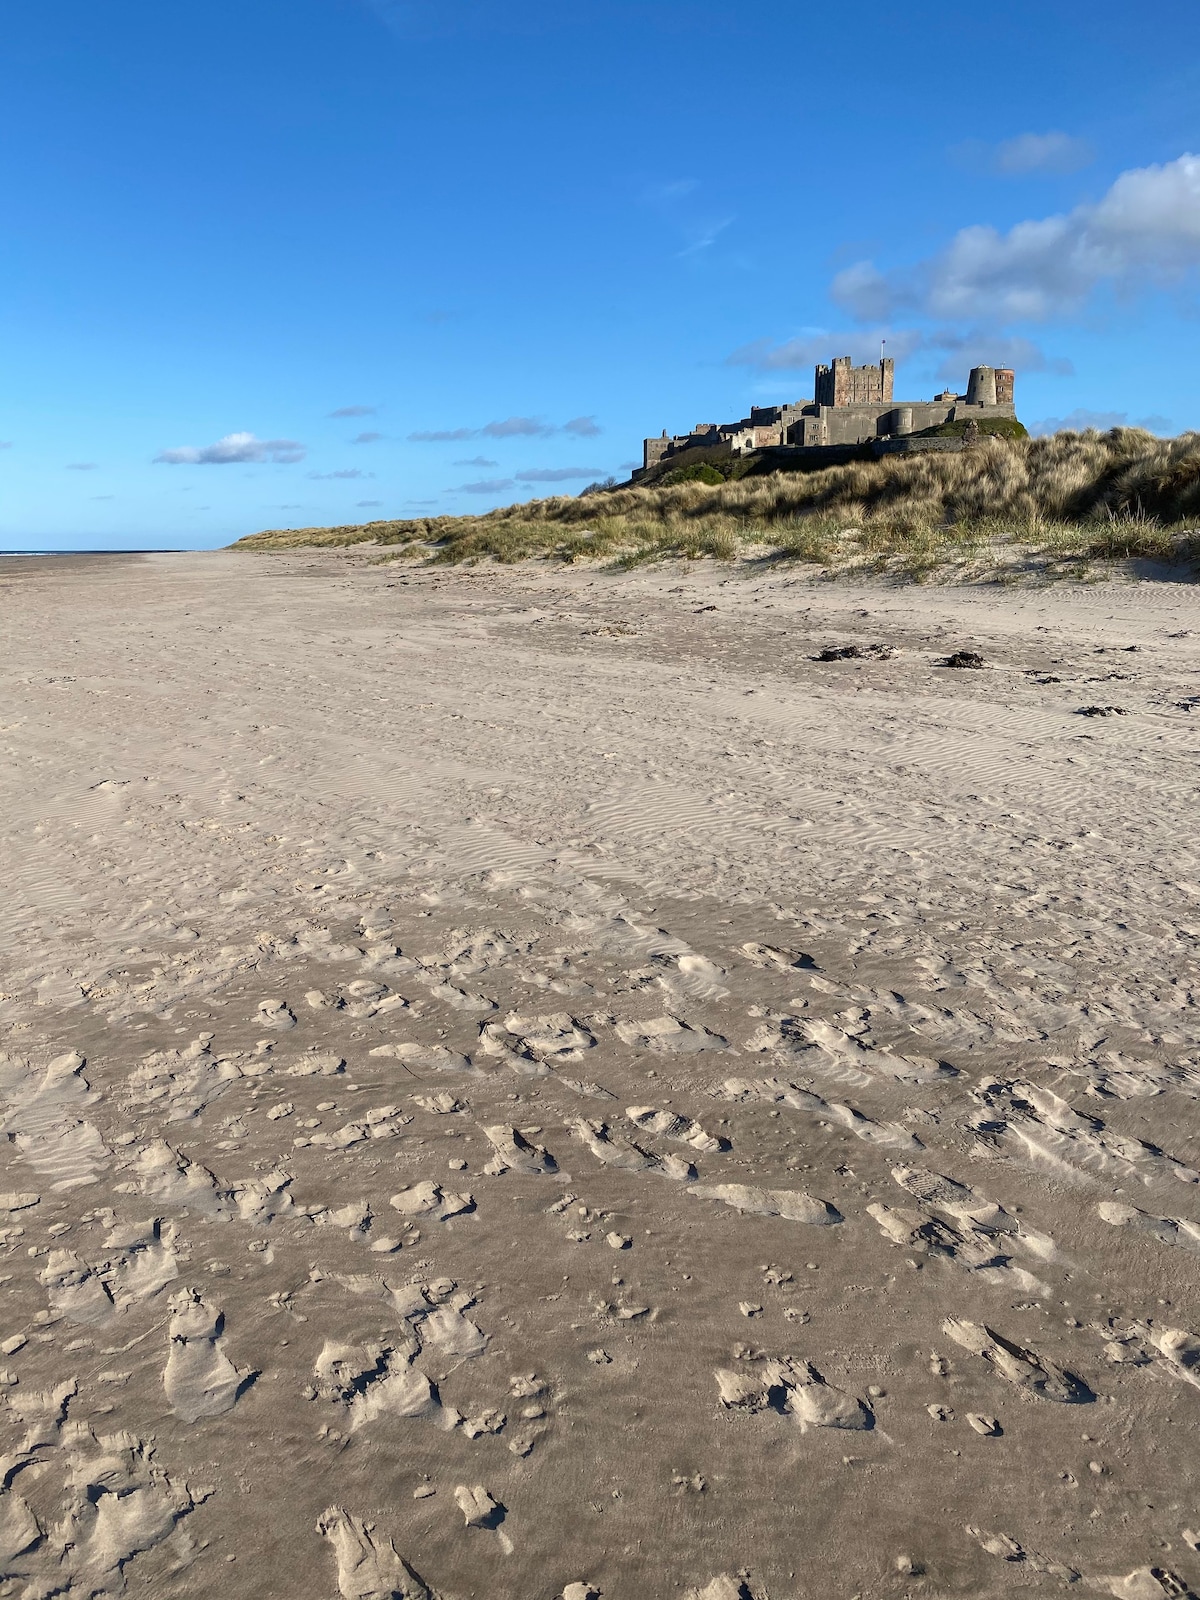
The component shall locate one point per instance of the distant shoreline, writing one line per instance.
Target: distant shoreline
(40, 554)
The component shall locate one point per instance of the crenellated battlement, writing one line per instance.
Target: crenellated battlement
(850, 406)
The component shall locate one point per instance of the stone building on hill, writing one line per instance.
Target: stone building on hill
(850, 406)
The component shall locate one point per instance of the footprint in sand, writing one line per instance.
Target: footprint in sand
(1167, 1230)
(428, 1199)
(166, 1175)
(782, 1092)
(514, 1153)
(726, 1587)
(421, 1058)
(626, 1155)
(370, 1381)
(681, 1129)
(275, 1014)
(142, 1260)
(368, 1565)
(75, 1290)
(1016, 1365)
(42, 1118)
(200, 1380)
(668, 1036)
(791, 1385)
(790, 1204)
(826, 1047)
(478, 1507)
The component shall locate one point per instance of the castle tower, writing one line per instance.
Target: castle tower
(981, 386)
(844, 385)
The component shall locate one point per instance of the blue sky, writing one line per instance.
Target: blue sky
(285, 262)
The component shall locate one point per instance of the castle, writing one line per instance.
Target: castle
(850, 406)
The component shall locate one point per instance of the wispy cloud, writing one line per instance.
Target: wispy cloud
(683, 208)
(1052, 154)
(355, 411)
(706, 235)
(476, 461)
(1057, 153)
(234, 448)
(516, 428)
(509, 428)
(368, 438)
(1143, 233)
(959, 349)
(818, 344)
(102, 497)
(556, 474)
(346, 472)
(486, 486)
(665, 193)
(82, 466)
(1079, 421)
(6, 444)
(979, 347)
(363, 503)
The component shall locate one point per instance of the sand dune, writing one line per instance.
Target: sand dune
(534, 1085)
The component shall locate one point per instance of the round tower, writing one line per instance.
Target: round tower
(981, 386)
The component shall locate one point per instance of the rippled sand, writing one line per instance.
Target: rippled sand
(519, 1084)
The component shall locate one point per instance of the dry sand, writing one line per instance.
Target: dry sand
(519, 1084)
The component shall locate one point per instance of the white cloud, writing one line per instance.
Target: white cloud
(1055, 153)
(866, 293)
(1080, 420)
(818, 344)
(354, 411)
(1144, 232)
(233, 448)
(476, 461)
(677, 189)
(978, 347)
(515, 428)
(508, 428)
(346, 472)
(556, 474)
(487, 486)
(962, 350)
(705, 235)
(368, 438)
(1052, 154)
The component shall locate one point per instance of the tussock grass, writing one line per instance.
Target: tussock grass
(1071, 499)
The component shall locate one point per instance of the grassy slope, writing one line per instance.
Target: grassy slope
(1069, 499)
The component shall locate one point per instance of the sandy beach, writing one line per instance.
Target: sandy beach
(520, 1083)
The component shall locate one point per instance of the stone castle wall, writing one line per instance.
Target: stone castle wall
(852, 406)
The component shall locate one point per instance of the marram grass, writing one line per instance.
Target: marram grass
(1061, 503)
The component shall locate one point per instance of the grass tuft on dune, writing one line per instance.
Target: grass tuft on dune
(1056, 504)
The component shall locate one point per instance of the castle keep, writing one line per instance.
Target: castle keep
(850, 406)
